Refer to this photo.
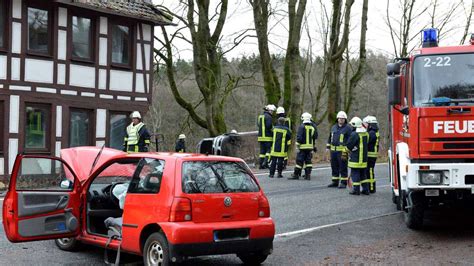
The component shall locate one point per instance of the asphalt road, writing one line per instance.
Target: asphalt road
(315, 225)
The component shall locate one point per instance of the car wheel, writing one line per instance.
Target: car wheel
(253, 258)
(67, 244)
(156, 250)
(414, 214)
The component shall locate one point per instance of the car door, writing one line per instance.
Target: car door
(43, 200)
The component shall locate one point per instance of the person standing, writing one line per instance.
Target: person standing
(279, 151)
(280, 111)
(265, 126)
(305, 143)
(373, 149)
(356, 148)
(137, 137)
(337, 140)
(180, 143)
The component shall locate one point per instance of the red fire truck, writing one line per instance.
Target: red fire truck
(431, 113)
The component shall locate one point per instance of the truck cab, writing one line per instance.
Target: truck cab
(431, 114)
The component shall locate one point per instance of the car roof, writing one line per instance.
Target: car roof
(184, 156)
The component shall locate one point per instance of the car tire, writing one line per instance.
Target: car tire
(67, 244)
(156, 251)
(414, 214)
(253, 258)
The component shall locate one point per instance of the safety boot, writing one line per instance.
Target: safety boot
(342, 185)
(296, 175)
(354, 192)
(307, 174)
(334, 184)
(279, 175)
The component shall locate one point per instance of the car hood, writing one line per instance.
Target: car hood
(81, 159)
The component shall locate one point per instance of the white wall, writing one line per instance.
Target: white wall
(14, 113)
(121, 80)
(101, 123)
(82, 76)
(3, 67)
(38, 70)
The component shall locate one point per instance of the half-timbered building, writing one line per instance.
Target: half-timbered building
(71, 71)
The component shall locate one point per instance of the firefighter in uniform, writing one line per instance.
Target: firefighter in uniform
(356, 148)
(281, 141)
(265, 135)
(137, 137)
(337, 140)
(180, 144)
(280, 111)
(373, 149)
(305, 143)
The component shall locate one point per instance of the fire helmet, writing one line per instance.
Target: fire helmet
(341, 114)
(280, 110)
(181, 136)
(356, 122)
(136, 114)
(306, 117)
(370, 119)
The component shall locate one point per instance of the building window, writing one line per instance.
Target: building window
(3, 18)
(82, 38)
(80, 129)
(118, 125)
(38, 124)
(38, 30)
(121, 44)
(2, 125)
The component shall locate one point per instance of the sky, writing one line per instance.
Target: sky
(240, 18)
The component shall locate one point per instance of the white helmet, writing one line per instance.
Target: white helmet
(136, 114)
(356, 122)
(370, 119)
(181, 136)
(280, 110)
(341, 114)
(306, 117)
(270, 107)
(233, 131)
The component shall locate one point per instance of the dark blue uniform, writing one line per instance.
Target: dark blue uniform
(373, 150)
(180, 146)
(265, 138)
(336, 144)
(357, 148)
(281, 141)
(305, 140)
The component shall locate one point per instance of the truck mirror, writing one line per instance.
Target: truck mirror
(394, 96)
(405, 110)
(393, 69)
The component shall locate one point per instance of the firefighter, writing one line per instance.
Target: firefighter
(280, 111)
(356, 148)
(137, 137)
(337, 140)
(373, 149)
(279, 151)
(180, 144)
(305, 143)
(265, 126)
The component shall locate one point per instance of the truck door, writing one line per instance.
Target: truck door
(43, 200)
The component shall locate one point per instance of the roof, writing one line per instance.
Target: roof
(139, 9)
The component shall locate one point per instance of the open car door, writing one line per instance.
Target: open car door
(43, 200)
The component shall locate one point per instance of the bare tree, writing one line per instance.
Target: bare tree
(468, 23)
(261, 14)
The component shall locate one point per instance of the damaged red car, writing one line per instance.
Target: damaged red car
(164, 206)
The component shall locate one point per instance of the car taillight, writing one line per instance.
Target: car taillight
(263, 207)
(181, 210)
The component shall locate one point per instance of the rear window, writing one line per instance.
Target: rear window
(217, 177)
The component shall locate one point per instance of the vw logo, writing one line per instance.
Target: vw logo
(227, 201)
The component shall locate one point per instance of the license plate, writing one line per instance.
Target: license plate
(431, 192)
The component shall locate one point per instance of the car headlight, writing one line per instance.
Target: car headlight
(430, 178)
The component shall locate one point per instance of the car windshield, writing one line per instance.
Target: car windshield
(217, 177)
(444, 80)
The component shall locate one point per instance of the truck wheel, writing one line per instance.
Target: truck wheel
(67, 244)
(253, 258)
(156, 250)
(414, 214)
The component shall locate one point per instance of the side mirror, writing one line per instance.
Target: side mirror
(405, 110)
(393, 69)
(66, 184)
(393, 83)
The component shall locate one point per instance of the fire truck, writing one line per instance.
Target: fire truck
(431, 114)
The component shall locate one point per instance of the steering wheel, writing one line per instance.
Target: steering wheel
(108, 191)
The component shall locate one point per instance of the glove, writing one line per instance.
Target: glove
(344, 155)
(315, 149)
(124, 148)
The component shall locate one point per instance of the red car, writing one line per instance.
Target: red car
(167, 206)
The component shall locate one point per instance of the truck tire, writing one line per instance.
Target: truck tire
(156, 251)
(414, 214)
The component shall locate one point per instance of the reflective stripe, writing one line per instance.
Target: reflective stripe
(147, 141)
(341, 138)
(264, 137)
(372, 178)
(375, 153)
(344, 178)
(338, 148)
(360, 163)
(355, 183)
(365, 181)
(261, 155)
(309, 132)
(335, 178)
(132, 133)
(282, 149)
(308, 165)
(298, 166)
